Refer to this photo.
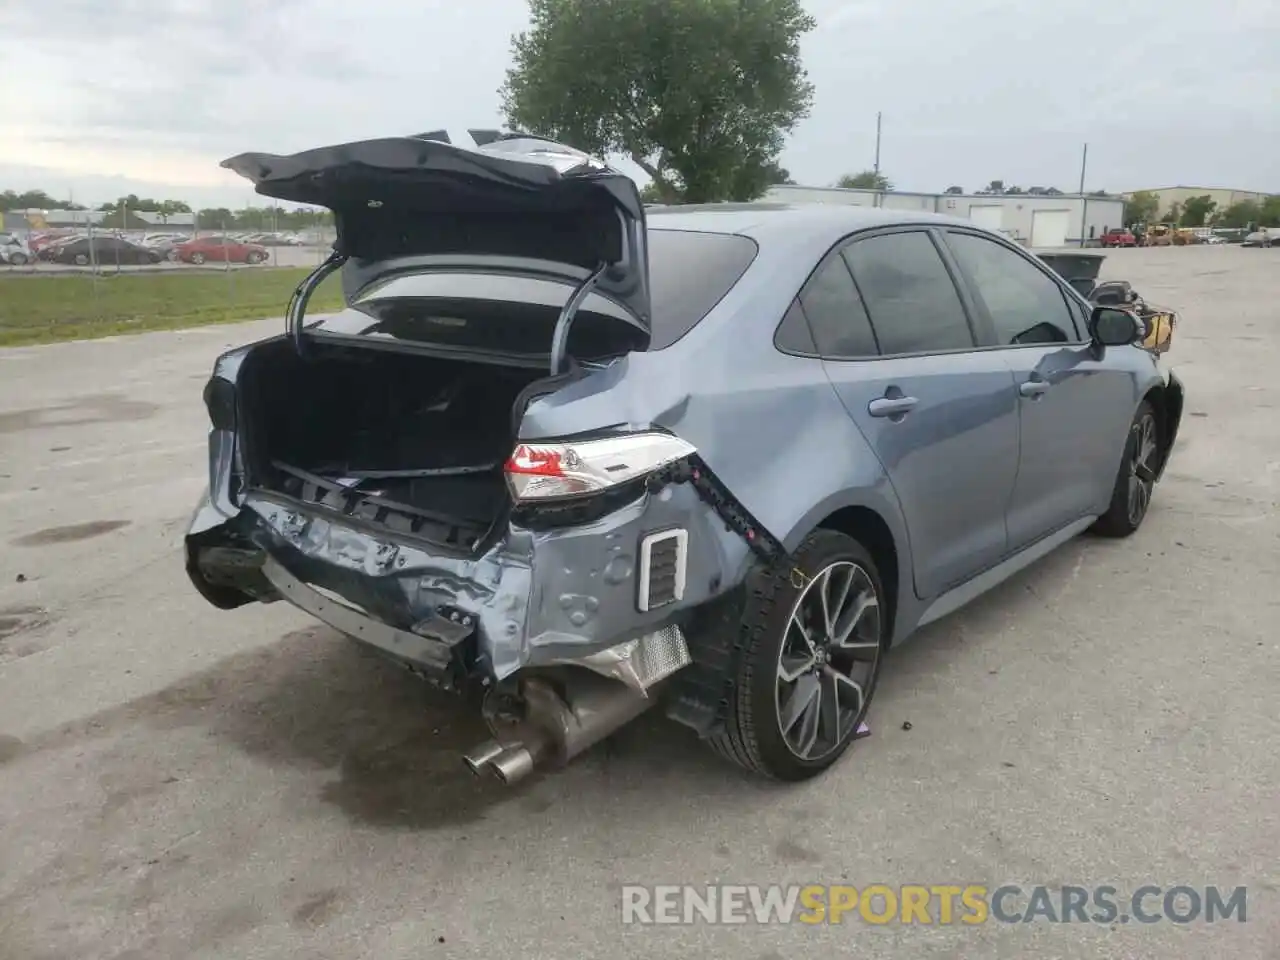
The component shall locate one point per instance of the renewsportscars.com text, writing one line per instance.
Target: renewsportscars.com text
(935, 904)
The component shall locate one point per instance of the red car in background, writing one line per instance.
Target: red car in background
(1119, 237)
(220, 250)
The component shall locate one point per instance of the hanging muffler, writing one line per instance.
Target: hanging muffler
(547, 719)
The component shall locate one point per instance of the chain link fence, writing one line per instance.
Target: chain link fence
(72, 285)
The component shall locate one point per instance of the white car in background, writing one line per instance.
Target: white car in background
(14, 250)
(1269, 235)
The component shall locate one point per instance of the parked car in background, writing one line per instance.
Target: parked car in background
(1119, 237)
(1266, 237)
(220, 250)
(103, 250)
(14, 250)
(277, 239)
(40, 242)
(713, 458)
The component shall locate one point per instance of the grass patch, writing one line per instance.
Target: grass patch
(48, 307)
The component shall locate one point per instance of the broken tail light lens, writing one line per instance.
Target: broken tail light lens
(553, 471)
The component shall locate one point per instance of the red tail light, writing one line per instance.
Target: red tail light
(547, 471)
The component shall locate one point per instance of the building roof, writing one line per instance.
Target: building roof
(34, 216)
(1024, 195)
(1260, 193)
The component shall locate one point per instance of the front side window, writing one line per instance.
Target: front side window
(1025, 305)
(909, 294)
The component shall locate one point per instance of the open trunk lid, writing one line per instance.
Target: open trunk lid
(512, 205)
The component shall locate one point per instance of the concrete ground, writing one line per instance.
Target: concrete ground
(177, 781)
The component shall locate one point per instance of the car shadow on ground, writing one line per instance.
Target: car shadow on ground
(316, 701)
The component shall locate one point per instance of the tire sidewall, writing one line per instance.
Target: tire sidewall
(823, 548)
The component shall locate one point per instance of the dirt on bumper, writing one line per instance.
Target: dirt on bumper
(535, 598)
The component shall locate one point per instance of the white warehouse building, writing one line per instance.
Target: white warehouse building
(1033, 220)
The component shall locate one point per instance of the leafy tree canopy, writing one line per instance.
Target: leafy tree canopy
(1142, 207)
(1197, 211)
(700, 94)
(866, 180)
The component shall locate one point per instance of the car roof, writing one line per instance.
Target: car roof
(764, 221)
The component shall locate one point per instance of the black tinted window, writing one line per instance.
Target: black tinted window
(793, 334)
(689, 274)
(836, 315)
(1025, 305)
(909, 294)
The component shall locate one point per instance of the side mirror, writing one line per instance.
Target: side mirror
(1113, 327)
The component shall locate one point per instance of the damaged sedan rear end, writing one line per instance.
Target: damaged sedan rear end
(472, 468)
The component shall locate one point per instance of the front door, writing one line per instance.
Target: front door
(899, 349)
(1072, 407)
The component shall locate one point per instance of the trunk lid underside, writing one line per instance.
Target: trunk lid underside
(517, 205)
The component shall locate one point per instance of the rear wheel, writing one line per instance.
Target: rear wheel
(252, 258)
(81, 259)
(1135, 483)
(18, 259)
(197, 258)
(813, 642)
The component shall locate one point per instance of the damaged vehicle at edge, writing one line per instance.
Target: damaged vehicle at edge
(588, 460)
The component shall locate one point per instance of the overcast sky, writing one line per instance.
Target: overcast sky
(106, 97)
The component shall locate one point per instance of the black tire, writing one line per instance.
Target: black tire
(197, 258)
(752, 735)
(1135, 480)
(18, 259)
(253, 258)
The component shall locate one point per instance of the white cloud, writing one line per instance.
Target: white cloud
(156, 92)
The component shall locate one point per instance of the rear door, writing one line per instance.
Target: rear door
(897, 344)
(1074, 409)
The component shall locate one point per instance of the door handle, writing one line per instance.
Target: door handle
(891, 406)
(1033, 388)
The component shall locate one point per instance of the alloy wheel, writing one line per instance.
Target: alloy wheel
(830, 651)
(1142, 468)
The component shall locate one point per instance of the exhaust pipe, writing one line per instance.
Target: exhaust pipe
(561, 720)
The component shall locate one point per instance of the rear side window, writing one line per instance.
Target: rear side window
(836, 314)
(690, 272)
(912, 301)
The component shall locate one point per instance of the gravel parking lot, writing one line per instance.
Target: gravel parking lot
(180, 782)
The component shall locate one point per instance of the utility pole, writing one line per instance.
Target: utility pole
(1084, 201)
(876, 168)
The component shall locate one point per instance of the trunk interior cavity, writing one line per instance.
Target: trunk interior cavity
(416, 443)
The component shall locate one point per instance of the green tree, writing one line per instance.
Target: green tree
(29, 200)
(1196, 211)
(866, 180)
(215, 218)
(1269, 212)
(1175, 213)
(1240, 215)
(700, 94)
(1142, 207)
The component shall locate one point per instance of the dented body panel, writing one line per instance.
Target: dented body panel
(770, 426)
